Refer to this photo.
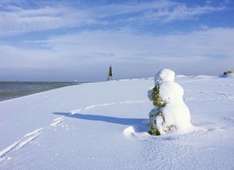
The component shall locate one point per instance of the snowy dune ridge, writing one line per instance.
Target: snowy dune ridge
(104, 126)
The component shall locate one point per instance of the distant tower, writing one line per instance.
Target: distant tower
(110, 73)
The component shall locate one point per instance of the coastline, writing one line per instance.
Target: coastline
(15, 89)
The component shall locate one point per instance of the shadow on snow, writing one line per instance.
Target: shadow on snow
(138, 123)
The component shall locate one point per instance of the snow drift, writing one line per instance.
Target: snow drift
(102, 126)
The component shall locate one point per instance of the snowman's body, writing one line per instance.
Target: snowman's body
(170, 112)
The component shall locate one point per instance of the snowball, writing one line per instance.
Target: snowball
(165, 75)
(177, 115)
(171, 92)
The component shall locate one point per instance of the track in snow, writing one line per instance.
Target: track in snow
(56, 122)
(26, 139)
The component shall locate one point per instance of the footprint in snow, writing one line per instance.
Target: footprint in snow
(56, 122)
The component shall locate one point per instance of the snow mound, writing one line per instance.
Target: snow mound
(130, 132)
(178, 115)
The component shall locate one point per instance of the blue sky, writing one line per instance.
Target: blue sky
(77, 40)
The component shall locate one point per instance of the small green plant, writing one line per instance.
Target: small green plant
(159, 103)
(154, 132)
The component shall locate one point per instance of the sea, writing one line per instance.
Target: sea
(9, 90)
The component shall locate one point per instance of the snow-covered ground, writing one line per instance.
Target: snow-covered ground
(103, 126)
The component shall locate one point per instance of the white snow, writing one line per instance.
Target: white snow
(103, 126)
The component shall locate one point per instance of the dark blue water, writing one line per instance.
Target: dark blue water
(10, 90)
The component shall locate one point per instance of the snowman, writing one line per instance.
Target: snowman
(170, 112)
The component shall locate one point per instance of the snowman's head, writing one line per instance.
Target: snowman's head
(165, 75)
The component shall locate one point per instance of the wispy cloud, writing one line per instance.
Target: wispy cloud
(77, 37)
(82, 51)
(181, 12)
(16, 19)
